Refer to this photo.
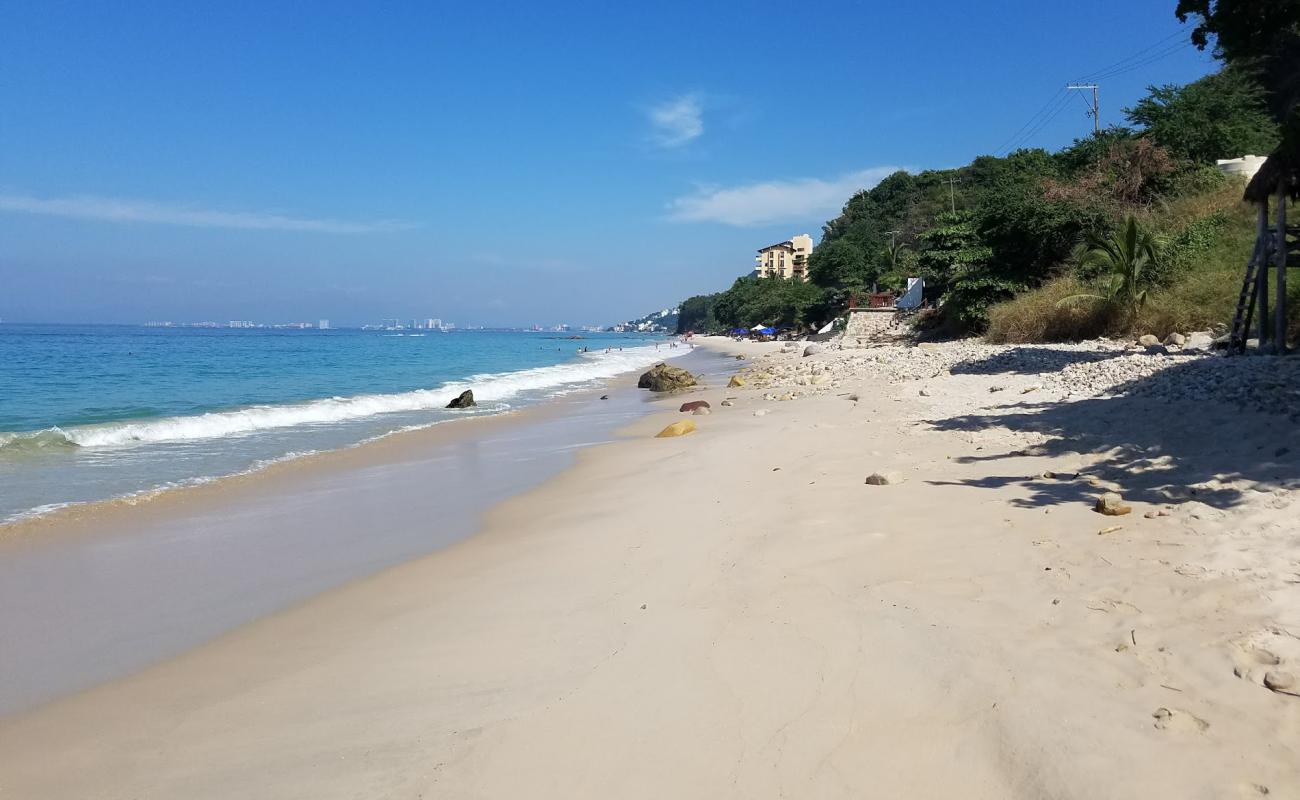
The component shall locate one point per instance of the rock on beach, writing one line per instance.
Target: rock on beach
(1112, 505)
(680, 428)
(663, 378)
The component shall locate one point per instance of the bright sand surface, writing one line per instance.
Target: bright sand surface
(735, 613)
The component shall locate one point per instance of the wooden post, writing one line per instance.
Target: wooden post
(1261, 284)
(1279, 327)
(1262, 258)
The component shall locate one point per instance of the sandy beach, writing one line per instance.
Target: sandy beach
(739, 613)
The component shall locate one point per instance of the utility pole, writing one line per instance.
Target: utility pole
(952, 195)
(1096, 109)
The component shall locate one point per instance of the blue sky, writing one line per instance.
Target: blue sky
(488, 162)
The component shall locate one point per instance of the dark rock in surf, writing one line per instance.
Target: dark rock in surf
(465, 400)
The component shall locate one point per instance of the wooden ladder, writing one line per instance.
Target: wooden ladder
(1249, 295)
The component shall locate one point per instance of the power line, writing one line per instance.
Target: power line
(1060, 100)
(1065, 101)
(1093, 76)
(1144, 62)
(1017, 135)
(1056, 103)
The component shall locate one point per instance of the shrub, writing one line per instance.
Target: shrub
(970, 295)
(1039, 315)
(1200, 300)
(1183, 250)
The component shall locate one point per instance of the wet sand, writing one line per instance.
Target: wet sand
(97, 591)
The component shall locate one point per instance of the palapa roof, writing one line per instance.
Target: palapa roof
(1277, 167)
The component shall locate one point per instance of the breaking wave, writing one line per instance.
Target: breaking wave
(493, 388)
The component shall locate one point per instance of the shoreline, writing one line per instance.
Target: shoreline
(734, 613)
(60, 512)
(155, 577)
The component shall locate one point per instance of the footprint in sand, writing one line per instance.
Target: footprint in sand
(1267, 658)
(1252, 662)
(1179, 721)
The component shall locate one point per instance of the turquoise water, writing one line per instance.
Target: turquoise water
(94, 412)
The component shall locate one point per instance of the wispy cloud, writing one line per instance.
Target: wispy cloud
(799, 199)
(110, 209)
(677, 121)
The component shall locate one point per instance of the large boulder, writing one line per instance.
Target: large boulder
(663, 378)
(694, 404)
(812, 349)
(464, 400)
(676, 429)
(1148, 340)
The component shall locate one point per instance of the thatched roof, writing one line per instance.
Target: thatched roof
(1278, 167)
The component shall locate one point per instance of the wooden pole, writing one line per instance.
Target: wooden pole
(1096, 112)
(1261, 283)
(1279, 326)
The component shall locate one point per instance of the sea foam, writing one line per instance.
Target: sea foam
(492, 389)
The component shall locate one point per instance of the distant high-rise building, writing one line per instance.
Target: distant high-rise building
(323, 325)
(788, 259)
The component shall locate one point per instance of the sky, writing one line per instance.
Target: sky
(498, 163)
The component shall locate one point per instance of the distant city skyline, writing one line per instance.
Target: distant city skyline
(503, 163)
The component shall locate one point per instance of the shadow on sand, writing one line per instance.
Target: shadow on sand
(1212, 430)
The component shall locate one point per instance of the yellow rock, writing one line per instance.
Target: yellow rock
(677, 429)
(735, 381)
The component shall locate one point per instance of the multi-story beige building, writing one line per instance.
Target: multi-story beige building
(788, 259)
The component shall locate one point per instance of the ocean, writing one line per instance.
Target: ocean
(95, 412)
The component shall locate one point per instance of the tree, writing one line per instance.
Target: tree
(1223, 115)
(1084, 154)
(839, 264)
(1263, 37)
(752, 300)
(951, 246)
(696, 314)
(954, 262)
(1123, 257)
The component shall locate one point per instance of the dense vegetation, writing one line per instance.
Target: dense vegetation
(1004, 243)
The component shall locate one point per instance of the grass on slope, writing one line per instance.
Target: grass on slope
(1207, 240)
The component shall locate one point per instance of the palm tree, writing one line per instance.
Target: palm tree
(1122, 256)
